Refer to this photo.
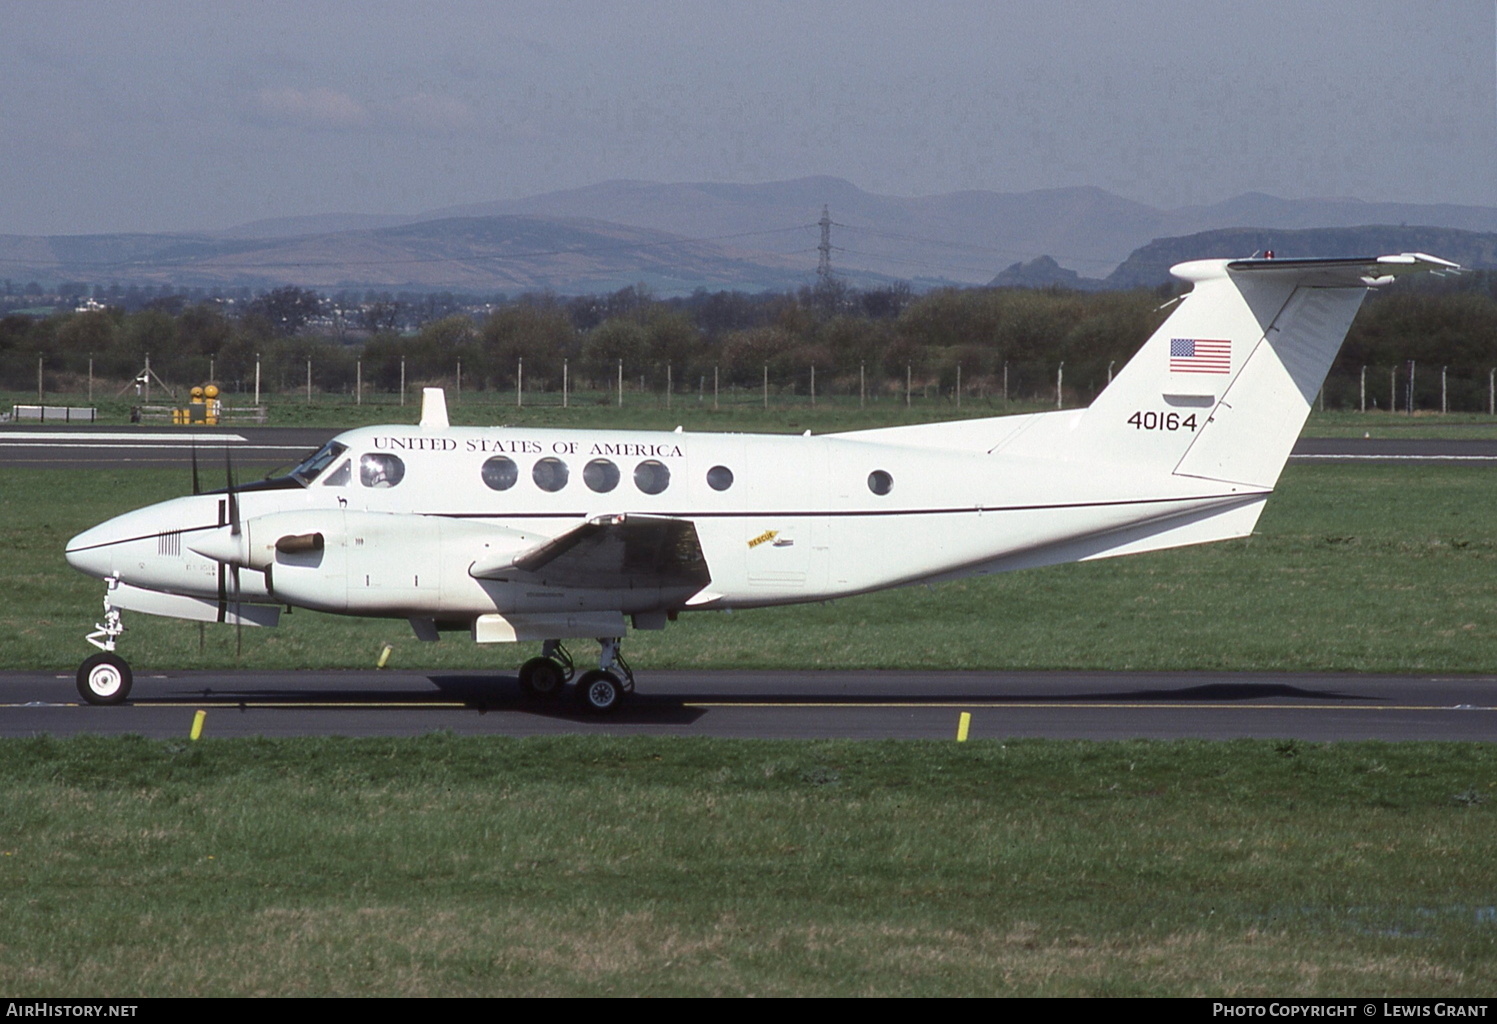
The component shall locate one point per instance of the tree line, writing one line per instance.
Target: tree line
(878, 339)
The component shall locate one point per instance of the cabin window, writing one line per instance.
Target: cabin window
(600, 475)
(378, 469)
(652, 477)
(340, 476)
(880, 482)
(719, 478)
(550, 474)
(499, 473)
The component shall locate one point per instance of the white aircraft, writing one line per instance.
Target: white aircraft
(522, 534)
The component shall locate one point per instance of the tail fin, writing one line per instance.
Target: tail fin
(1223, 388)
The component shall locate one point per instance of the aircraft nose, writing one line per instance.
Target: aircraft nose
(92, 551)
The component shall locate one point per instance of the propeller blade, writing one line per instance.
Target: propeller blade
(197, 487)
(238, 617)
(233, 495)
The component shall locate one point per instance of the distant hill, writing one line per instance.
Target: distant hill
(1043, 272)
(680, 236)
(1149, 265)
(959, 236)
(478, 254)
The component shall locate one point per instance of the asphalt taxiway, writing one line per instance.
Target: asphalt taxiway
(778, 705)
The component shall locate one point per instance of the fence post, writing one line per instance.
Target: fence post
(91, 380)
(39, 391)
(862, 385)
(714, 387)
(958, 385)
(358, 382)
(669, 384)
(1393, 390)
(459, 378)
(565, 383)
(1444, 402)
(813, 385)
(1363, 389)
(309, 382)
(257, 380)
(1060, 378)
(1492, 392)
(520, 383)
(766, 385)
(1005, 382)
(621, 383)
(402, 380)
(908, 380)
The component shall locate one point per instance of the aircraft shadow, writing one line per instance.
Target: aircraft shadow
(481, 693)
(485, 693)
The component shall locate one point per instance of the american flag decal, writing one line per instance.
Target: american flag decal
(1197, 355)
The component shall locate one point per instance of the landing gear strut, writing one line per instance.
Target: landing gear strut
(105, 678)
(600, 690)
(603, 689)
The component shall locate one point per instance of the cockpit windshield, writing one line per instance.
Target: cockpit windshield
(314, 464)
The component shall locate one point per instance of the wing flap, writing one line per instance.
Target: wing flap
(621, 551)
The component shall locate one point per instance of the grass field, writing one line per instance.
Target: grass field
(591, 866)
(584, 866)
(1352, 568)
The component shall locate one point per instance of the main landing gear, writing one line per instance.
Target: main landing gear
(599, 691)
(105, 678)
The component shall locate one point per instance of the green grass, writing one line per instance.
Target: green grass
(588, 866)
(1352, 568)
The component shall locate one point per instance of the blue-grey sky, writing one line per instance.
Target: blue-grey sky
(179, 115)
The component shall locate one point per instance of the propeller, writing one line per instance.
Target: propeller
(234, 531)
(197, 487)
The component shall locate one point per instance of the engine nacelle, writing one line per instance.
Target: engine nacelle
(376, 563)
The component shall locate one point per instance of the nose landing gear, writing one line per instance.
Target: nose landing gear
(105, 678)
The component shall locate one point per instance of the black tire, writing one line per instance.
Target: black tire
(104, 678)
(543, 678)
(600, 692)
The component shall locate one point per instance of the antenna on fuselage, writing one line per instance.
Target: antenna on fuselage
(434, 409)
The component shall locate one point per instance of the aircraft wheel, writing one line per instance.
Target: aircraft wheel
(543, 678)
(600, 692)
(104, 678)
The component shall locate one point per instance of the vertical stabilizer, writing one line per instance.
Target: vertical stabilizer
(1223, 388)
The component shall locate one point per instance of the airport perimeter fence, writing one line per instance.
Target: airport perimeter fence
(256, 396)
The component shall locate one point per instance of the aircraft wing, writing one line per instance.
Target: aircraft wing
(617, 551)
